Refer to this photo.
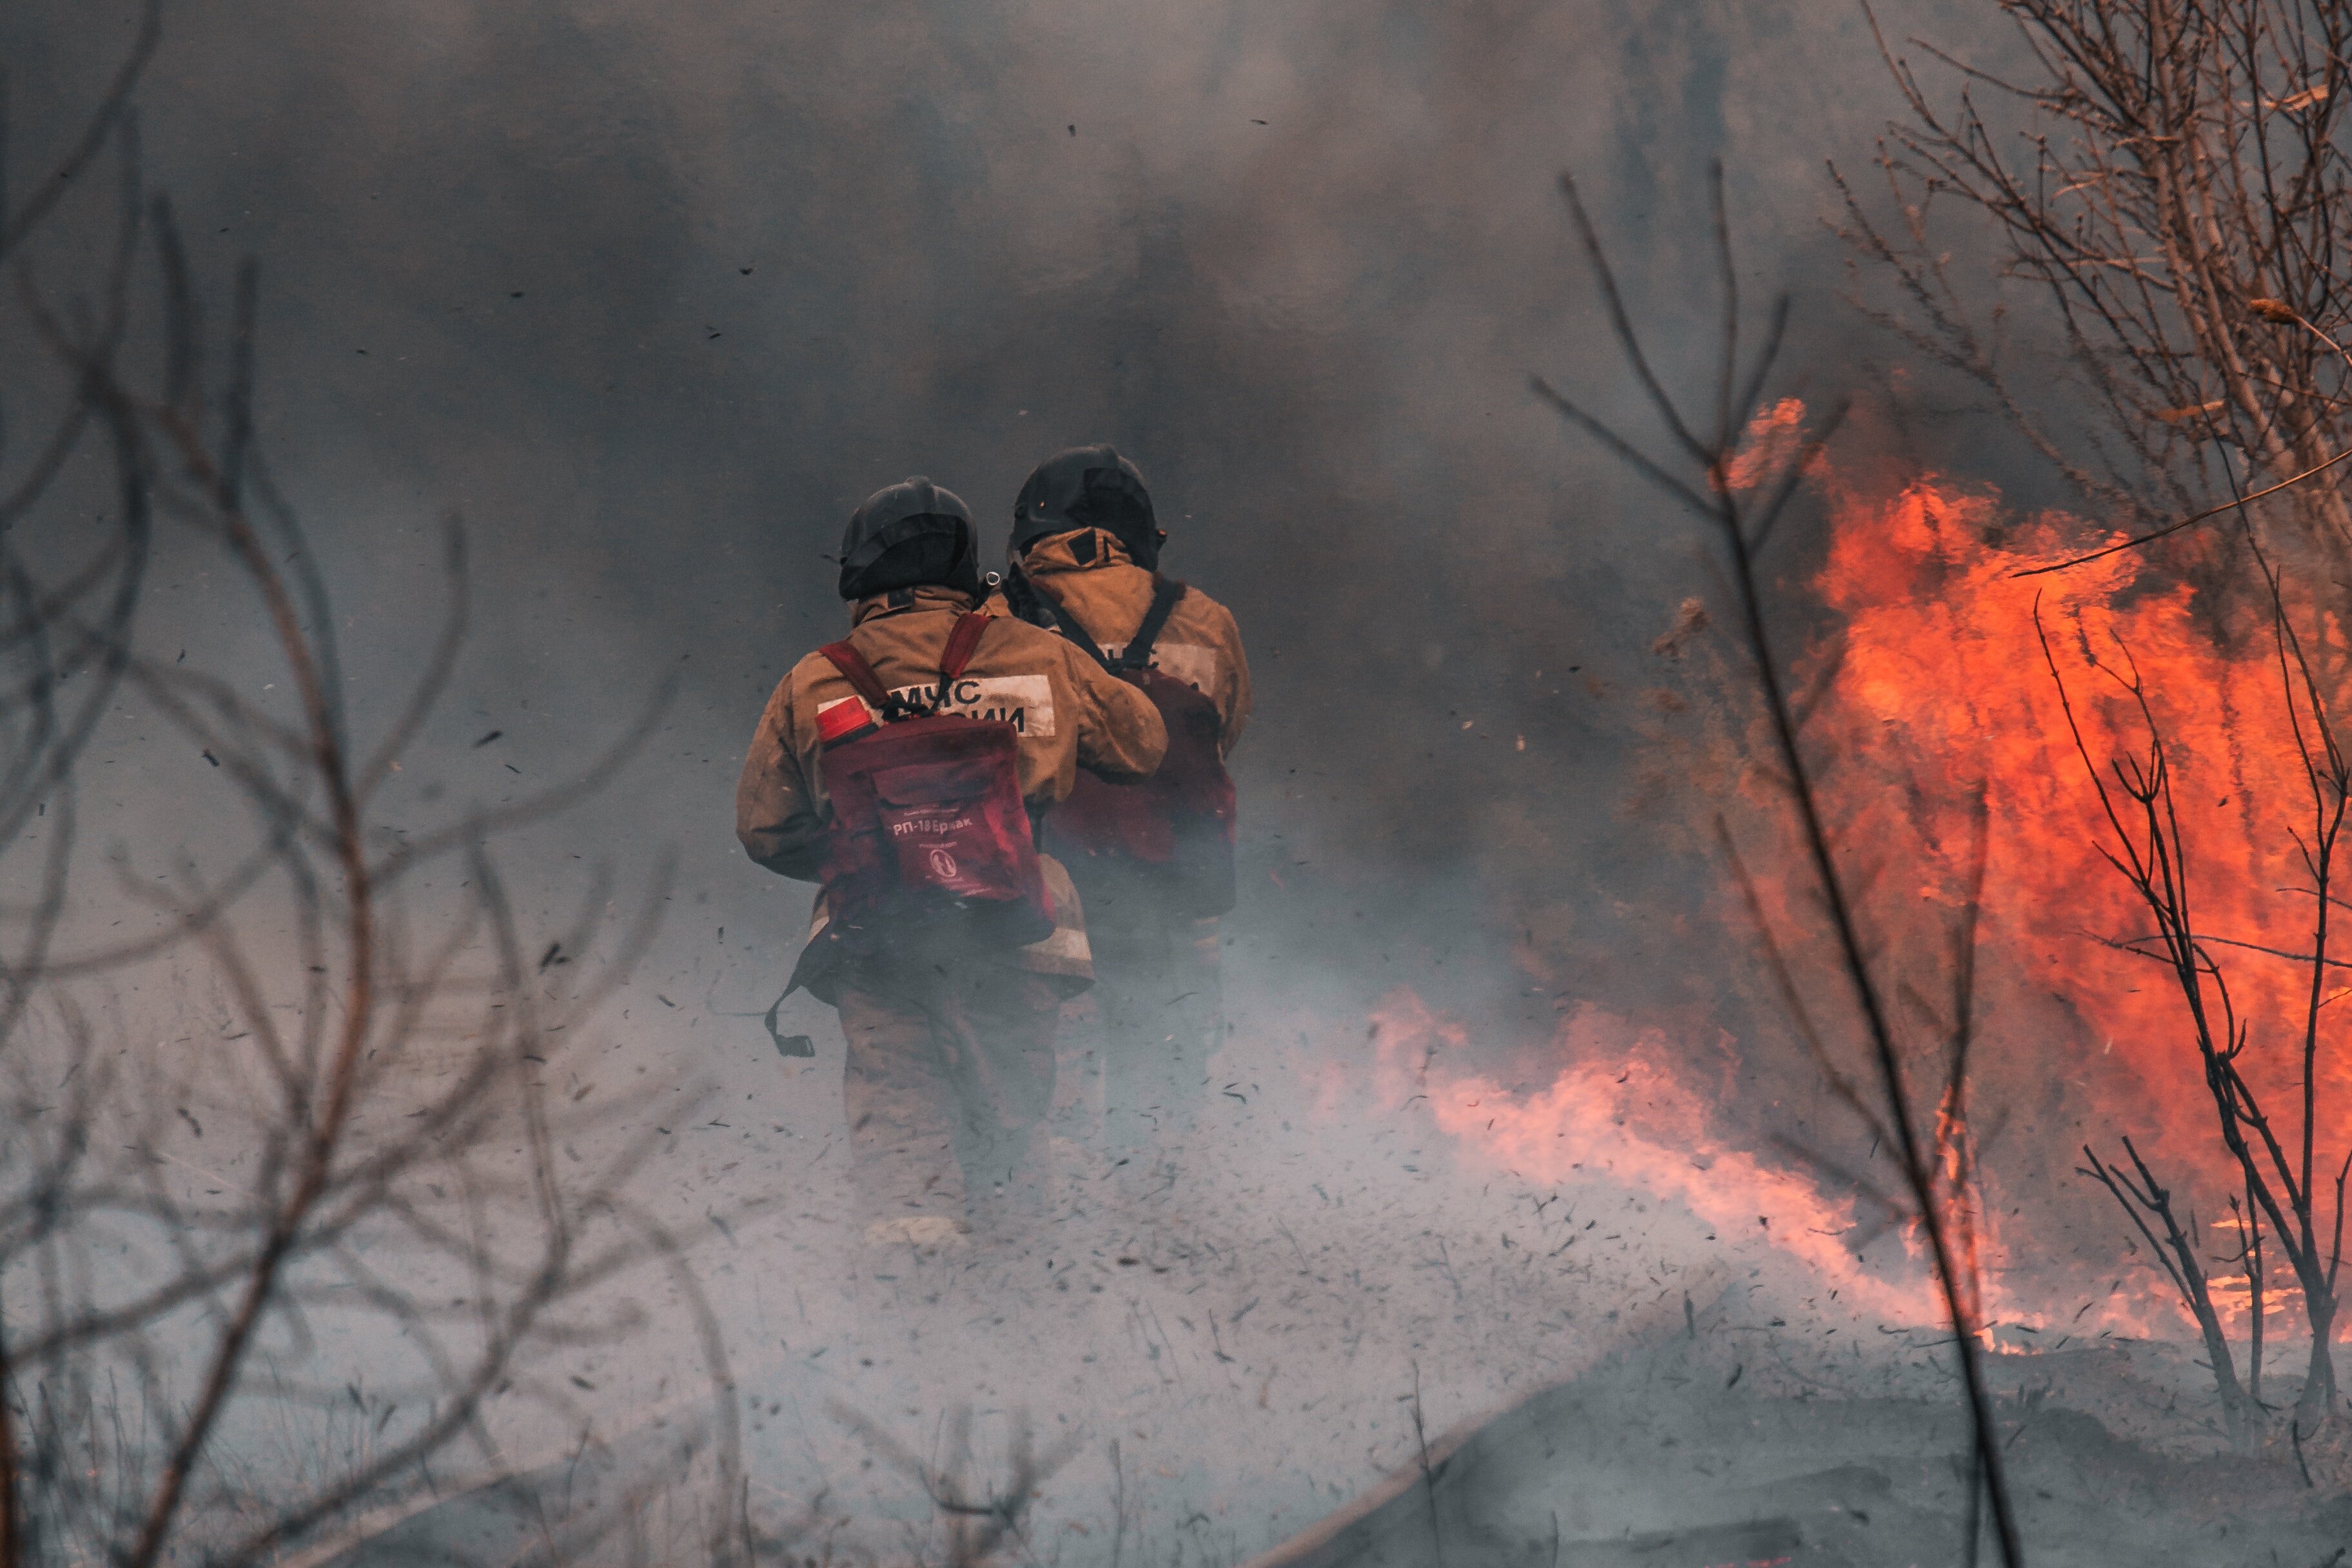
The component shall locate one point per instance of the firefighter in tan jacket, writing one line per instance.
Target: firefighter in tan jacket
(950, 1063)
(1085, 553)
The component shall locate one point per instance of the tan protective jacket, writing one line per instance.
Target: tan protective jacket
(1066, 709)
(1089, 573)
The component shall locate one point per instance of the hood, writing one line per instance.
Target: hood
(1088, 487)
(929, 596)
(1080, 550)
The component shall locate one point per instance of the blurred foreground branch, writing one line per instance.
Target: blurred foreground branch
(1741, 493)
(282, 1219)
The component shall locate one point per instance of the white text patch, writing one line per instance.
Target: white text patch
(1024, 702)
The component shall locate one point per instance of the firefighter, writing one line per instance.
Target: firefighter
(1155, 870)
(946, 943)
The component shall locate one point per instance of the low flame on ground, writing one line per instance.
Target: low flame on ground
(1622, 1110)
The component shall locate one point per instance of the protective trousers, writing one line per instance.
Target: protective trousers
(948, 1077)
(1153, 1017)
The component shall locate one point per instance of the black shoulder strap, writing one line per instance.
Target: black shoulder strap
(1137, 655)
(1066, 623)
(1020, 596)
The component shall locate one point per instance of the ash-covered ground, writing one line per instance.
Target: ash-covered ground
(1333, 1334)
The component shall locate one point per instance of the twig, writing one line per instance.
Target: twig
(2171, 528)
(1428, 1475)
(1717, 500)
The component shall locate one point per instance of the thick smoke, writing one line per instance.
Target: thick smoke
(654, 294)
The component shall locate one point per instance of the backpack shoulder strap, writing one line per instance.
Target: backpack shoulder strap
(1066, 623)
(961, 642)
(1137, 655)
(1022, 597)
(860, 675)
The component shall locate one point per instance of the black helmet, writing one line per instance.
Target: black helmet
(911, 535)
(1088, 487)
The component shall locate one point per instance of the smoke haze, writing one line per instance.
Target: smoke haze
(654, 294)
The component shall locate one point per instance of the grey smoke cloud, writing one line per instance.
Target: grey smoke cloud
(654, 294)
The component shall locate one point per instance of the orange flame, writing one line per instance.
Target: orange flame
(1945, 684)
(1939, 687)
(1622, 1111)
